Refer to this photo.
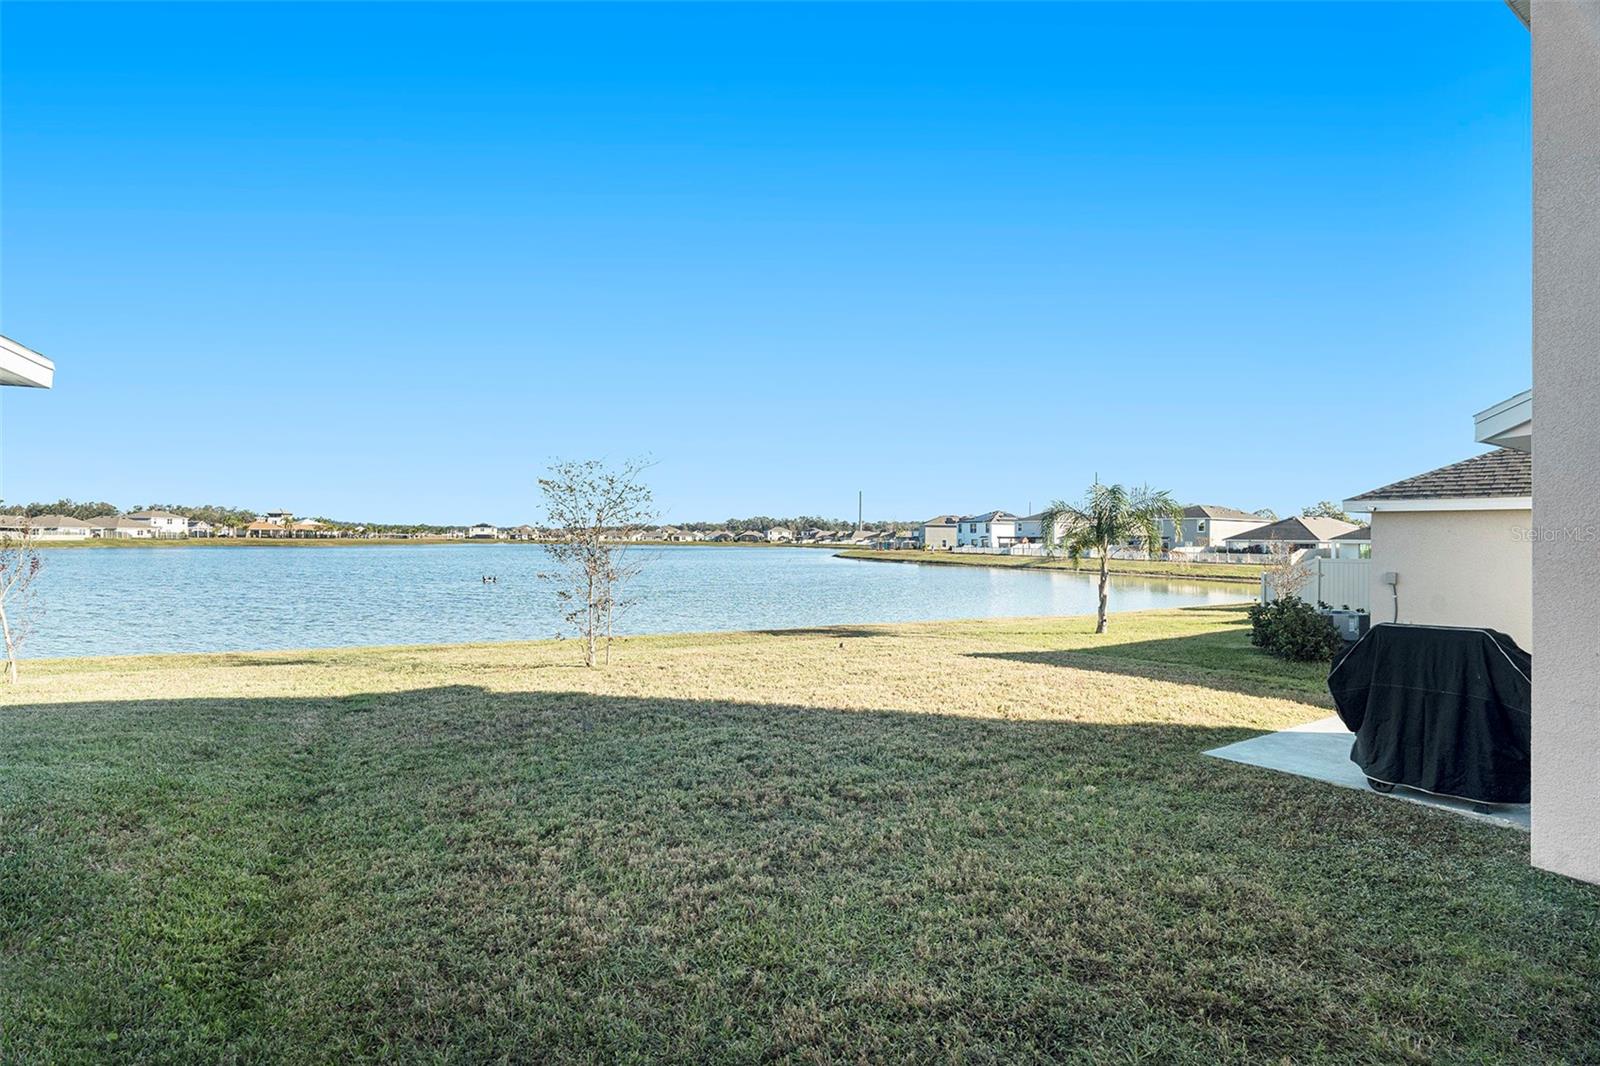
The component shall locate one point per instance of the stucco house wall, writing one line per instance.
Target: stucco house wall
(1566, 475)
(1457, 568)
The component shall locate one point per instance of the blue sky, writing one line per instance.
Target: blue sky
(384, 262)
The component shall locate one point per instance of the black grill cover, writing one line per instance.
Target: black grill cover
(1438, 708)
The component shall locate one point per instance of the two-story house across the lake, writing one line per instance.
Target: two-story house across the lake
(993, 529)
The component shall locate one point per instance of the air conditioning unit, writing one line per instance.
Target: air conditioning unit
(1352, 625)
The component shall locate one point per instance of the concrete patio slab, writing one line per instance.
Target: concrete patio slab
(1320, 750)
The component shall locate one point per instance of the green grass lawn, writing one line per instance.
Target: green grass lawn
(985, 841)
(1231, 572)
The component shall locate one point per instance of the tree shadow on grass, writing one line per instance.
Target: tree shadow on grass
(841, 631)
(453, 872)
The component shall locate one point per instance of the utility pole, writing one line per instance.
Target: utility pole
(858, 510)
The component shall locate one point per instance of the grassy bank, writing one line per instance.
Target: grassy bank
(1232, 572)
(989, 840)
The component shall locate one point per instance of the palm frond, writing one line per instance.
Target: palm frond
(1056, 522)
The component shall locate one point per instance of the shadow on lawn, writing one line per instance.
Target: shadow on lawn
(631, 747)
(842, 631)
(413, 844)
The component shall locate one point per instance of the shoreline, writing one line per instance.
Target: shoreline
(299, 655)
(1236, 573)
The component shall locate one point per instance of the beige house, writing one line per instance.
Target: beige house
(1206, 524)
(1454, 546)
(121, 527)
(60, 527)
(1559, 531)
(939, 532)
(1030, 530)
(46, 527)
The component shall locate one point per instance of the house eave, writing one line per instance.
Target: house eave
(1373, 505)
(22, 366)
(1508, 424)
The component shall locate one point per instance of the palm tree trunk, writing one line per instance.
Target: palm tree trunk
(1105, 575)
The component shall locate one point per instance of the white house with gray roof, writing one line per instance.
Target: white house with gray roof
(992, 529)
(121, 526)
(163, 524)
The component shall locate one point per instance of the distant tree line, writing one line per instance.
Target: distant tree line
(1329, 509)
(209, 512)
(415, 529)
(71, 508)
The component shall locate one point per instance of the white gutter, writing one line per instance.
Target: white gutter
(1443, 503)
(23, 366)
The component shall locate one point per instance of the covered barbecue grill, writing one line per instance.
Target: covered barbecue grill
(1438, 708)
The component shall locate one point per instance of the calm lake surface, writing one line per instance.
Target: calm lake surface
(126, 601)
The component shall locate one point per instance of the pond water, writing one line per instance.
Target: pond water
(92, 601)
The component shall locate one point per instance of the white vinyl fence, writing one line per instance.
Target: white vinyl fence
(1339, 583)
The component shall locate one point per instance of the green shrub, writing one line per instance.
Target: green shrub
(1293, 629)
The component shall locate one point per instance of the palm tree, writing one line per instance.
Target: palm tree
(1109, 516)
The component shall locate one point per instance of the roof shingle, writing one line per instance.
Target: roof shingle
(1297, 529)
(1502, 472)
(1209, 510)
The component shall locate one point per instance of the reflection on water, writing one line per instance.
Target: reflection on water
(137, 600)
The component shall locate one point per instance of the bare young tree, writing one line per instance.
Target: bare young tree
(1287, 570)
(19, 565)
(593, 511)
